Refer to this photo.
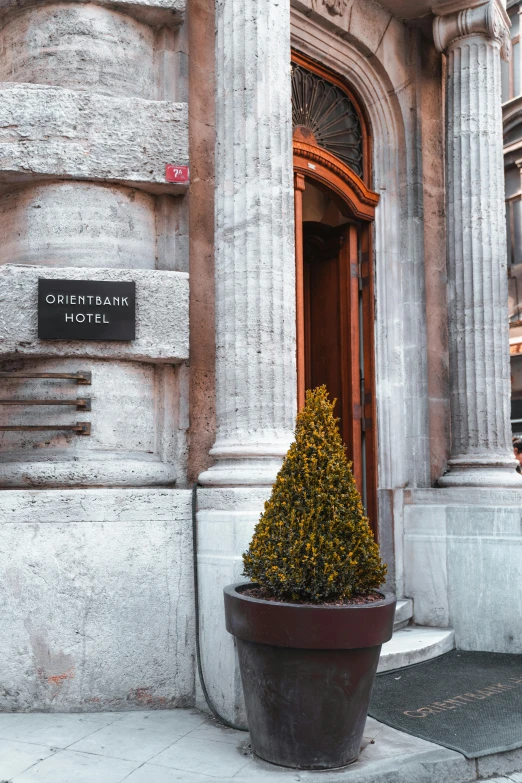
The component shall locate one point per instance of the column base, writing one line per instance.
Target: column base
(482, 473)
(242, 473)
(254, 464)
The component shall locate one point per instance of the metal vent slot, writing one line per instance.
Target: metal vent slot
(81, 427)
(82, 378)
(82, 403)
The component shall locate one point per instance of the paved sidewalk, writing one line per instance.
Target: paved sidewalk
(185, 746)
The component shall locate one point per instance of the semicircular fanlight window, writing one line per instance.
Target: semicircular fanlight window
(327, 111)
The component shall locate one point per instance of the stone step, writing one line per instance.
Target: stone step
(415, 644)
(403, 613)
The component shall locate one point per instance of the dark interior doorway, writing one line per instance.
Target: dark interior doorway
(337, 324)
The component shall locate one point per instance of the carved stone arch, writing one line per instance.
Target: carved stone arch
(400, 327)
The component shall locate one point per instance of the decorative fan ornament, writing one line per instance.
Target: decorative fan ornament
(328, 113)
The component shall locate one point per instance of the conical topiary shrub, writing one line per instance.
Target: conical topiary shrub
(313, 542)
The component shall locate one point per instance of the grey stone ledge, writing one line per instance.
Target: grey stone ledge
(152, 12)
(52, 132)
(463, 496)
(53, 506)
(162, 333)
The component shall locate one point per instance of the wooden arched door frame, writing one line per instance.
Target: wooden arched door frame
(329, 173)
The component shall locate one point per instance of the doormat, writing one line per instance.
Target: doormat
(467, 701)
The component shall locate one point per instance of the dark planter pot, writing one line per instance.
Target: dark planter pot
(308, 674)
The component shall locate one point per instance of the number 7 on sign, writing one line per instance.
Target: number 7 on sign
(175, 173)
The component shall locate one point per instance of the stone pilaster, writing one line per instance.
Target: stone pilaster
(254, 244)
(474, 35)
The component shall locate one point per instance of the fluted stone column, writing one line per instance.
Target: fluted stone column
(254, 261)
(255, 311)
(474, 35)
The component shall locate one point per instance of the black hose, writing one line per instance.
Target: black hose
(209, 701)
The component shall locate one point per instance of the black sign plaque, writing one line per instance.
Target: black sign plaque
(86, 310)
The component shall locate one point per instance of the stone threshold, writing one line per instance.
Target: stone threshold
(415, 644)
(186, 746)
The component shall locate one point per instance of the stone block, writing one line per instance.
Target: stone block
(96, 600)
(162, 333)
(80, 224)
(463, 561)
(153, 12)
(67, 134)
(484, 577)
(425, 558)
(226, 521)
(368, 23)
(79, 46)
(362, 21)
(137, 419)
(393, 53)
(501, 764)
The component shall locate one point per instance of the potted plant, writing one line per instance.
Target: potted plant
(310, 625)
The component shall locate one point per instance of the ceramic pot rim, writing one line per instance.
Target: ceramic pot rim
(308, 626)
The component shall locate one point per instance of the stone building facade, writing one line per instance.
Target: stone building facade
(512, 117)
(343, 223)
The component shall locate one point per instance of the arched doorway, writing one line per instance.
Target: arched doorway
(334, 210)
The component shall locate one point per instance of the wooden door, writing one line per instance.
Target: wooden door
(331, 324)
(334, 296)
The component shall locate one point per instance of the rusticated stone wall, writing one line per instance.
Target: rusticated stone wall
(92, 108)
(95, 531)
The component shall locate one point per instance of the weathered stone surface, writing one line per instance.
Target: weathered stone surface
(201, 205)
(452, 540)
(77, 46)
(136, 426)
(96, 606)
(78, 224)
(96, 600)
(367, 24)
(172, 233)
(501, 764)
(186, 746)
(56, 132)
(161, 315)
(153, 12)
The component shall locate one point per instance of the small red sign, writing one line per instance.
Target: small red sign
(174, 173)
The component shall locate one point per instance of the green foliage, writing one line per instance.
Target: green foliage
(313, 542)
